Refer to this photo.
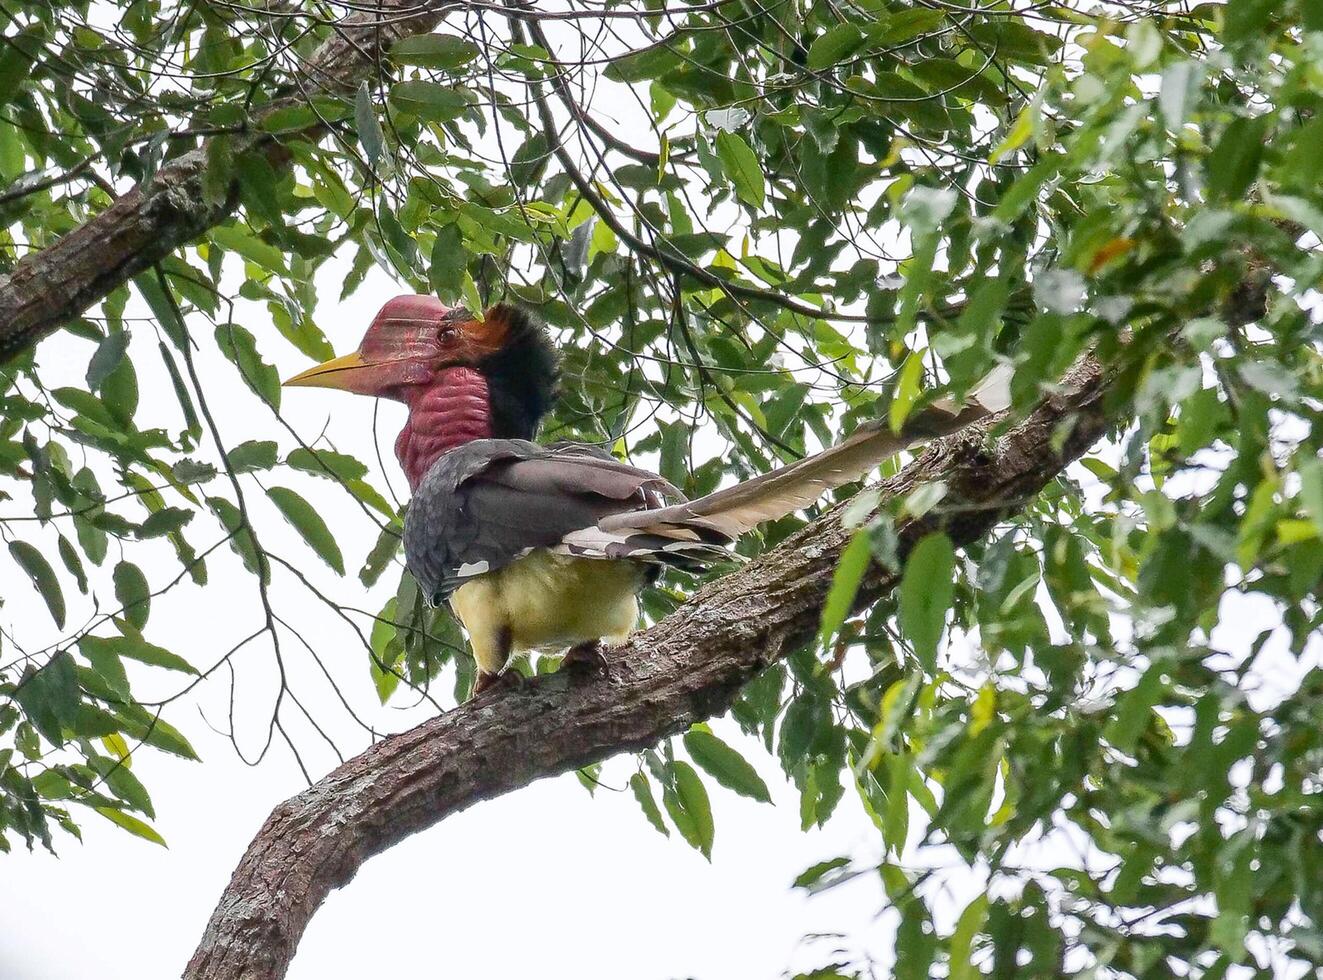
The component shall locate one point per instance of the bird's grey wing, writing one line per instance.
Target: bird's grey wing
(487, 503)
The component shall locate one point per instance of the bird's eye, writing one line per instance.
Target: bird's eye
(448, 334)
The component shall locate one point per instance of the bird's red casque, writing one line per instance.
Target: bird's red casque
(419, 351)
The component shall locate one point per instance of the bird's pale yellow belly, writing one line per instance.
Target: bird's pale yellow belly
(547, 601)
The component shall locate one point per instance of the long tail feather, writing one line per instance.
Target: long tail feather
(734, 510)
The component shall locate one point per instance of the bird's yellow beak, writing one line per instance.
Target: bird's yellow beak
(343, 373)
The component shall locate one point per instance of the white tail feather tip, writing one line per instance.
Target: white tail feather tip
(994, 391)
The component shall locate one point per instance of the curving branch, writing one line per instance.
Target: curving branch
(48, 288)
(686, 668)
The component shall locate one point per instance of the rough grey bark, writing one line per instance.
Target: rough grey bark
(686, 668)
(48, 288)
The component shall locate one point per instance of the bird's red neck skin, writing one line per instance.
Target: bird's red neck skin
(453, 410)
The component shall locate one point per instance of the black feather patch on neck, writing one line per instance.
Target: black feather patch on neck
(521, 376)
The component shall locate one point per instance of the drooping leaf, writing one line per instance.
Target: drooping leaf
(132, 824)
(106, 358)
(310, 525)
(812, 875)
(967, 927)
(741, 166)
(241, 537)
(725, 765)
(1234, 162)
(240, 348)
(50, 696)
(687, 802)
(134, 647)
(926, 590)
(42, 577)
(382, 554)
(430, 100)
(133, 593)
(256, 454)
(440, 51)
(833, 47)
(642, 790)
(369, 130)
(845, 584)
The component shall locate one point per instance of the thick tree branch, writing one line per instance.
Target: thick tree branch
(48, 288)
(684, 669)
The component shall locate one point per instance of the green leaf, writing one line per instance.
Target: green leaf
(17, 55)
(907, 390)
(1311, 490)
(72, 562)
(50, 696)
(530, 160)
(119, 391)
(124, 784)
(830, 49)
(42, 577)
(448, 263)
(741, 166)
(429, 100)
(107, 663)
(926, 591)
(240, 348)
(845, 582)
(241, 538)
(687, 802)
(149, 285)
(106, 358)
(387, 650)
(814, 874)
(675, 452)
(130, 823)
(1133, 709)
(962, 940)
(1247, 18)
(135, 648)
(345, 469)
(310, 526)
(133, 593)
(643, 793)
(191, 471)
(327, 464)
(725, 765)
(167, 520)
(440, 51)
(252, 248)
(381, 555)
(1234, 163)
(259, 189)
(138, 723)
(218, 178)
(369, 130)
(255, 454)
(289, 119)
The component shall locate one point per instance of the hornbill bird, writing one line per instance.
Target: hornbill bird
(547, 547)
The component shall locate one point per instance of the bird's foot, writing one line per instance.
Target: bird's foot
(585, 656)
(491, 684)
